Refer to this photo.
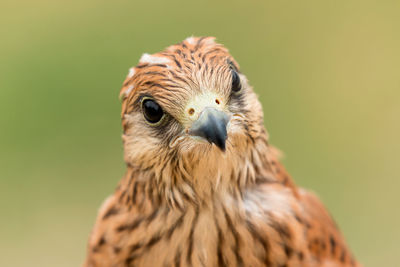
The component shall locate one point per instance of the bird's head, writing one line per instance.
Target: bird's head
(189, 101)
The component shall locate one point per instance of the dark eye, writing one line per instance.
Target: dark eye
(152, 111)
(236, 86)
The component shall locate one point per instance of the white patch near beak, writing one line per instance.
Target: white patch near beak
(198, 103)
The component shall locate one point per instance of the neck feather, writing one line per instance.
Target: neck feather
(192, 179)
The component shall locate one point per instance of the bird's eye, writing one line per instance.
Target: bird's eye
(236, 85)
(152, 111)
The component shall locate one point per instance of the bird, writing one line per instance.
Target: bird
(203, 186)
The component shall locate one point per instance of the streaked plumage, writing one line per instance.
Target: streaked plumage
(186, 201)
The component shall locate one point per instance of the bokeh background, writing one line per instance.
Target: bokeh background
(327, 72)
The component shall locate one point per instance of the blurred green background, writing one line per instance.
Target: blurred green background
(327, 72)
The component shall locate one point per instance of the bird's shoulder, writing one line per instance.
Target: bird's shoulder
(104, 236)
(323, 239)
(97, 239)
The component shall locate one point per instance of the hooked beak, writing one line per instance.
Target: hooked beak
(211, 125)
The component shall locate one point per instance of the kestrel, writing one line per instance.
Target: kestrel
(203, 187)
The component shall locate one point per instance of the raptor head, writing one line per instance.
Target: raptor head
(189, 101)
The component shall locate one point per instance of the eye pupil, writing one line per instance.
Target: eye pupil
(152, 111)
(236, 86)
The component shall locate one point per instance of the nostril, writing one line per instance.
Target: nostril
(191, 111)
(217, 101)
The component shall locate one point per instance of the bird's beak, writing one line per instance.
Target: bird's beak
(211, 125)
